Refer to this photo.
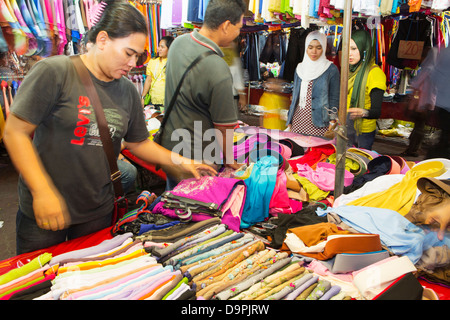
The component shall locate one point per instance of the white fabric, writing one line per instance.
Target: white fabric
(378, 184)
(309, 70)
(375, 278)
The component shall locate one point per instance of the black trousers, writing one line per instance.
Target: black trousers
(442, 148)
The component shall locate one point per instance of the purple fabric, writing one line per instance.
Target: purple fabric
(208, 189)
(177, 8)
(242, 149)
(105, 246)
(334, 290)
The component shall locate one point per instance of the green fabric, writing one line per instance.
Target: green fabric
(360, 71)
(184, 280)
(147, 99)
(33, 265)
(18, 288)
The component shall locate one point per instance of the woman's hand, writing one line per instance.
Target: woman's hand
(440, 215)
(50, 210)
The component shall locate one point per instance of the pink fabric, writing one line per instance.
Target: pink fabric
(324, 175)
(318, 268)
(60, 23)
(296, 205)
(402, 163)
(103, 288)
(46, 278)
(210, 190)
(279, 203)
(395, 167)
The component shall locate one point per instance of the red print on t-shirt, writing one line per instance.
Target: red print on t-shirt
(80, 130)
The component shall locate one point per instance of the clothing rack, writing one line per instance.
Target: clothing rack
(148, 1)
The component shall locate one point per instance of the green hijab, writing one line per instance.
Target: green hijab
(359, 72)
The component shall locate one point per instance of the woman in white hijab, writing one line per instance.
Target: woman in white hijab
(315, 99)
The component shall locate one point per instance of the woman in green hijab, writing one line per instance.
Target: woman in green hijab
(366, 87)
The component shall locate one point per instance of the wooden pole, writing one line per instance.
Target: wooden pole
(341, 141)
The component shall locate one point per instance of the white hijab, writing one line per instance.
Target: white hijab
(309, 70)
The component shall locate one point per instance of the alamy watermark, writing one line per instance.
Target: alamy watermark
(206, 145)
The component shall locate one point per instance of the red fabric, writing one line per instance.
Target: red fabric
(71, 245)
(313, 156)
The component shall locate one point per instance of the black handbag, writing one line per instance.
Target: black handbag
(158, 135)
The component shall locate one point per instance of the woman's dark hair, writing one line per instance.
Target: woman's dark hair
(219, 11)
(119, 20)
(168, 40)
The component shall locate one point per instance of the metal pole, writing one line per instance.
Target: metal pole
(341, 141)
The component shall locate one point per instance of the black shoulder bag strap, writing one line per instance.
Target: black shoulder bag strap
(105, 136)
(177, 90)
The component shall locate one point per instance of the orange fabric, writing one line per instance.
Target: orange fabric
(149, 294)
(361, 243)
(414, 5)
(315, 233)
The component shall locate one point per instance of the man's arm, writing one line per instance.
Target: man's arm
(171, 162)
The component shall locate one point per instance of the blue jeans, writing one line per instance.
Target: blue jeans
(363, 141)
(29, 237)
(128, 175)
(171, 183)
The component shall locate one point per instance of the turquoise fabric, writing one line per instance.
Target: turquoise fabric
(260, 187)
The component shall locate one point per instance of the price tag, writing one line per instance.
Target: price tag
(410, 49)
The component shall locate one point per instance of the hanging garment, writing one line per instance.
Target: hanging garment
(410, 29)
(29, 18)
(14, 35)
(295, 51)
(32, 42)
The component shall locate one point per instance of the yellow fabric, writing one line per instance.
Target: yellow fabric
(315, 194)
(155, 70)
(97, 264)
(400, 197)
(376, 79)
(31, 266)
(237, 136)
(273, 103)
